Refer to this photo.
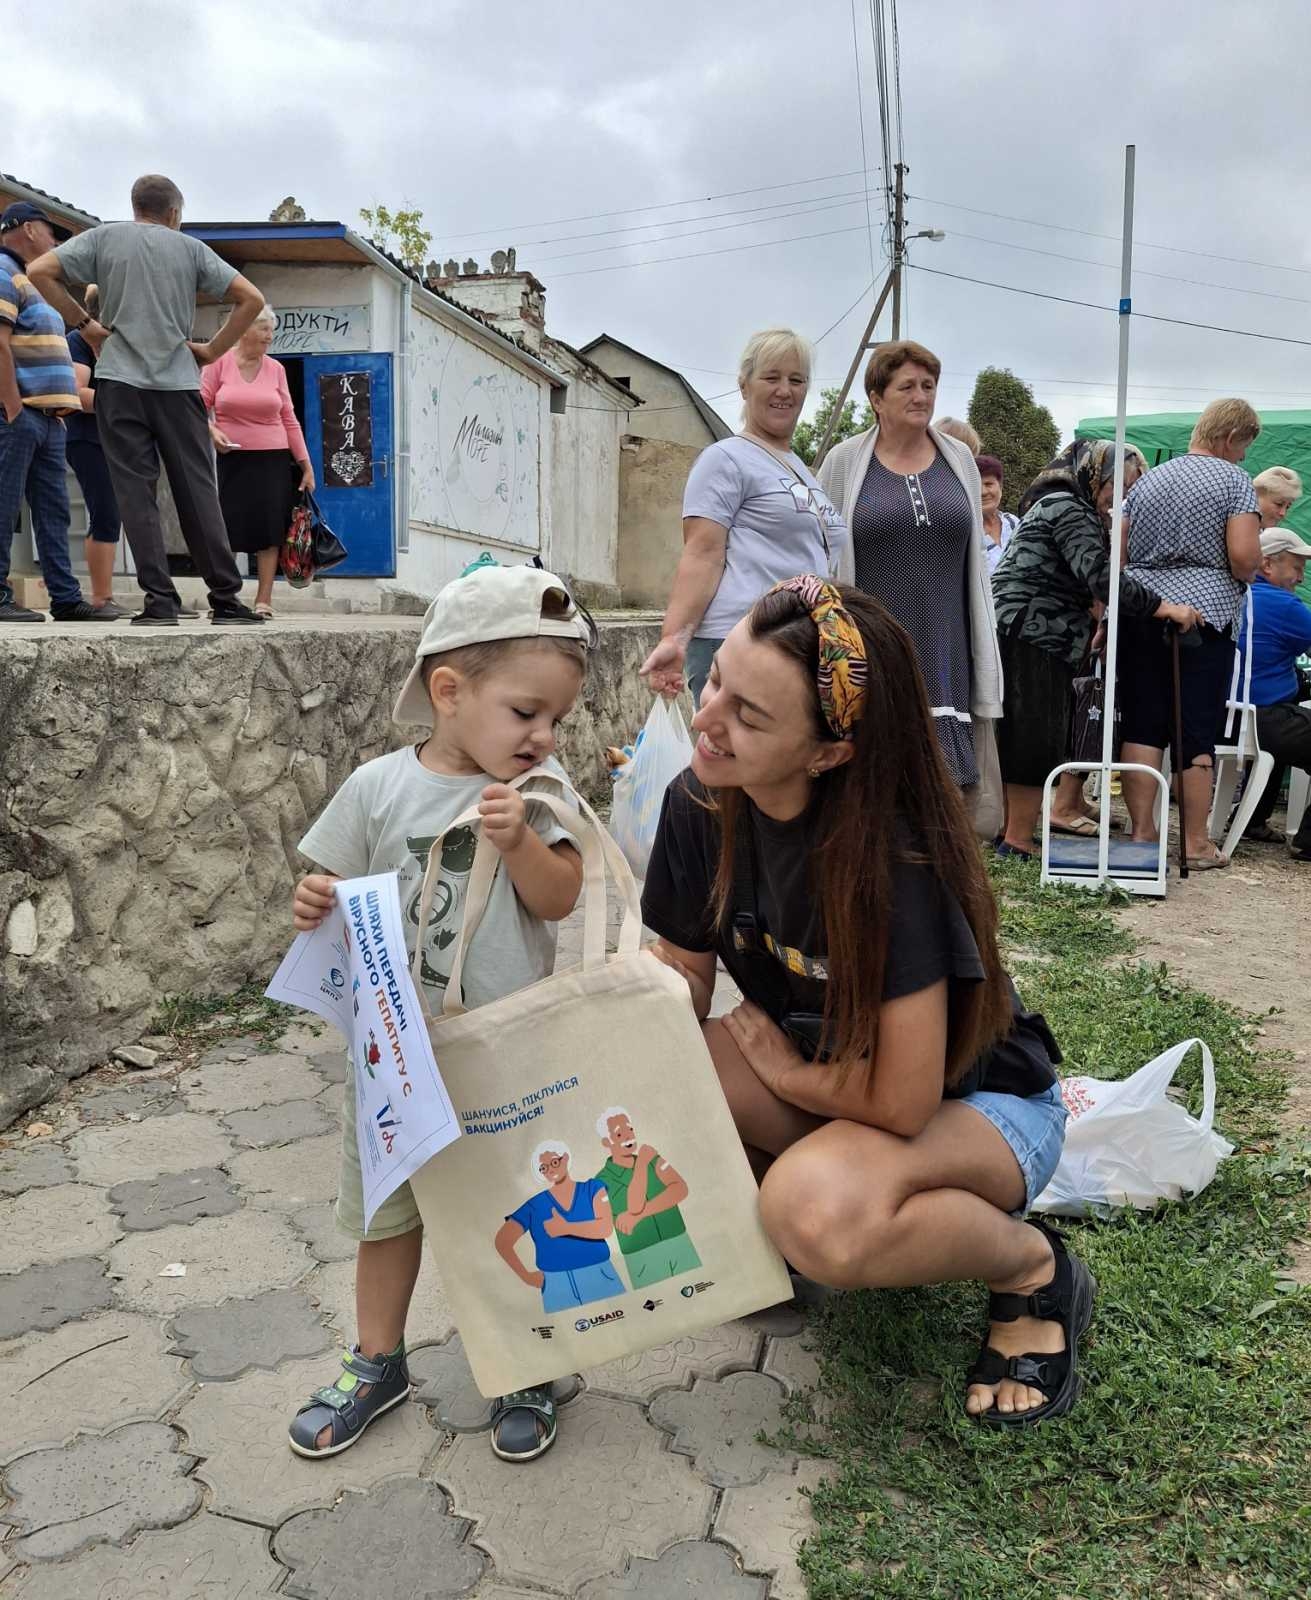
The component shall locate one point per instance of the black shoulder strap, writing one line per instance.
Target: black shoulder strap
(744, 864)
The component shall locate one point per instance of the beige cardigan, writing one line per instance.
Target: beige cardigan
(841, 477)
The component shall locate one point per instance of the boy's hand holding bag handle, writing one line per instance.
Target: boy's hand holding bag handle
(604, 1065)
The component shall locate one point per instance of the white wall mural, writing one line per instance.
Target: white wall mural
(475, 425)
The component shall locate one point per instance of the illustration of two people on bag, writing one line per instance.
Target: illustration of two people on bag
(635, 1196)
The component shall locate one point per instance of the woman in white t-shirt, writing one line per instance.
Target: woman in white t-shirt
(753, 514)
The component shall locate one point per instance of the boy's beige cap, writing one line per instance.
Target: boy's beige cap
(487, 604)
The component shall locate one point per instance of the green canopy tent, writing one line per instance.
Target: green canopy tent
(1284, 441)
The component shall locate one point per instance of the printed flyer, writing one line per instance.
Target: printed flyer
(353, 971)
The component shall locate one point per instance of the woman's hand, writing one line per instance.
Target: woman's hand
(221, 441)
(1185, 618)
(307, 476)
(766, 1048)
(312, 900)
(663, 668)
(696, 985)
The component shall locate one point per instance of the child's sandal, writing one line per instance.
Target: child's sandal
(344, 1409)
(523, 1424)
(1067, 1299)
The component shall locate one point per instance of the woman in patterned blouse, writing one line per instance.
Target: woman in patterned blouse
(1195, 538)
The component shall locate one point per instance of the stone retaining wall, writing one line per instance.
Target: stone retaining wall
(154, 787)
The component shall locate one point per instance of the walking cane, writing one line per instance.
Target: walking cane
(1178, 752)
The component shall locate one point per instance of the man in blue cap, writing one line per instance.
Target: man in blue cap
(37, 391)
(1281, 632)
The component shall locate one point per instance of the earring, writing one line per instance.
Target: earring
(813, 771)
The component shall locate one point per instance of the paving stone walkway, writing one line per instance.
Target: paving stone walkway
(143, 1443)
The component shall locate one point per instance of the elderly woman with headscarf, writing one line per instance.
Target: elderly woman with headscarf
(753, 515)
(1057, 565)
(910, 495)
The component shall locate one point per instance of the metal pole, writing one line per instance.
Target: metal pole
(1117, 505)
(898, 247)
(856, 360)
(1178, 753)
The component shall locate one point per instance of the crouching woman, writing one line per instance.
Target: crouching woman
(900, 1107)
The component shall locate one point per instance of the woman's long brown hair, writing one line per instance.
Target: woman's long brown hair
(897, 772)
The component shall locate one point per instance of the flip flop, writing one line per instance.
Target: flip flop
(1085, 827)
(1208, 863)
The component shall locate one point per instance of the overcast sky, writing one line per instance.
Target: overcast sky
(501, 119)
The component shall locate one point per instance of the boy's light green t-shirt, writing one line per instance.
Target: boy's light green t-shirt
(384, 818)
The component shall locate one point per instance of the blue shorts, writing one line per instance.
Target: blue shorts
(1033, 1126)
(581, 1286)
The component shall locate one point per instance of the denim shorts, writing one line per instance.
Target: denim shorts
(1033, 1126)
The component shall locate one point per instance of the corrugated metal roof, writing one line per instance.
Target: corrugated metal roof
(30, 191)
(308, 228)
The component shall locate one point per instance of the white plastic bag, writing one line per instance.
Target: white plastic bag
(1129, 1144)
(663, 751)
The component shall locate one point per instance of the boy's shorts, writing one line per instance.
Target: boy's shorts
(396, 1215)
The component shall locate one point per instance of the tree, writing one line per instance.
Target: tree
(1013, 427)
(402, 233)
(808, 435)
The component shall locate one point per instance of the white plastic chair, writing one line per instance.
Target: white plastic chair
(1240, 754)
(1299, 783)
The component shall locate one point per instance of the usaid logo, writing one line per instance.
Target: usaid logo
(583, 1324)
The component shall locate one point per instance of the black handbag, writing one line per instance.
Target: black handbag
(326, 549)
(1089, 709)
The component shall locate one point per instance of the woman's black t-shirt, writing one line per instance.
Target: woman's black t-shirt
(928, 936)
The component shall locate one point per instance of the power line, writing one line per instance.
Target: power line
(1062, 227)
(697, 255)
(866, 290)
(694, 233)
(1139, 272)
(896, 77)
(1092, 305)
(851, 195)
(1088, 385)
(864, 147)
(664, 205)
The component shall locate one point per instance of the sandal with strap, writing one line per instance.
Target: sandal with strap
(344, 1409)
(1067, 1299)
(523, 1425)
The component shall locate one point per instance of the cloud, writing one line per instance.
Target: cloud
(496, 120)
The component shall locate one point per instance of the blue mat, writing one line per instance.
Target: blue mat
(1076, 853)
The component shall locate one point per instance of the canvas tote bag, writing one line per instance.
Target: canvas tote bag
(559, 1087)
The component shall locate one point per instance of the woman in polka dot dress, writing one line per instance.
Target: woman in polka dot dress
(911, 499)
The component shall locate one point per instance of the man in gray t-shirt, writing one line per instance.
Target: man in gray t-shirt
(148, 405)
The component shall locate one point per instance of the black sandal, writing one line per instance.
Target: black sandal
(523, 1424)
(343, 1408)
(1067, 1299)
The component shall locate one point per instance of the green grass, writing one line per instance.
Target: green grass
(1185, 1470)
(199, 1020)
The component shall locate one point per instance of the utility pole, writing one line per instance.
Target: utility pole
(898, 246)
(856, 360)
(891, 286)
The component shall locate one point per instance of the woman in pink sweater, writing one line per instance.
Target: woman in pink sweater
(262, 459)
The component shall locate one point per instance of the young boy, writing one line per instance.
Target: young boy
(499, 664)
